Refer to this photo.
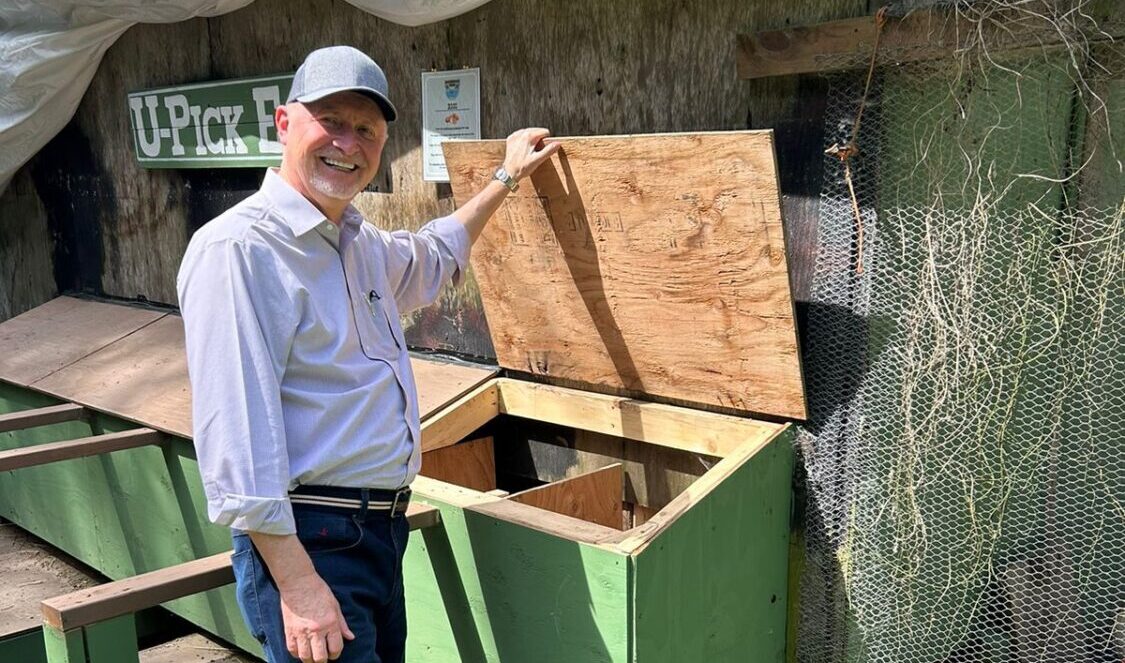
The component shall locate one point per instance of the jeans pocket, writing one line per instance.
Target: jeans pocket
(322, 532)
(247, 578)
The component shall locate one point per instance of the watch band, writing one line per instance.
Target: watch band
(507, 180)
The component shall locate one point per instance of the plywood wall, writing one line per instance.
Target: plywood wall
(580, 67)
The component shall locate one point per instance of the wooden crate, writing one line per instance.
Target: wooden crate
(606, 494)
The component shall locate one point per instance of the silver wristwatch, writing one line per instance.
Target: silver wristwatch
(507, 180)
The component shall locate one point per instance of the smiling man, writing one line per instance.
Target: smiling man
(304, 406)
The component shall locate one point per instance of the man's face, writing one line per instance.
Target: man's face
(332, 147)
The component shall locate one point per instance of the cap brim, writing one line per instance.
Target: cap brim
(385, 105)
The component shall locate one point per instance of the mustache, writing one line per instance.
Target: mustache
(337, 155)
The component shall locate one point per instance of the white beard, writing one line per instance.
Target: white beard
(336, 190)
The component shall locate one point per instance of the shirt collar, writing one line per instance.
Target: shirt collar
(297, 211)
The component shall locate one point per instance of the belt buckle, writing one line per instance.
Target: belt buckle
(394, 505)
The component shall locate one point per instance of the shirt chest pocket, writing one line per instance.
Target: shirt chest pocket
(382, 336)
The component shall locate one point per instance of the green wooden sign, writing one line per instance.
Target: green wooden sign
(218, 124)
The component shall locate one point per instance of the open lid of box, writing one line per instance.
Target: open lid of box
(651, 264)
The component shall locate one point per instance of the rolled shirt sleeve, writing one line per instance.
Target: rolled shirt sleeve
(420, 264)
(239, 322)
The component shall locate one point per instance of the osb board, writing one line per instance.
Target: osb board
(594, 497)
(653, 264)
(60, 332)
(29, 573)
(469, 464)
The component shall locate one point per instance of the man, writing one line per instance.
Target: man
(304, 405)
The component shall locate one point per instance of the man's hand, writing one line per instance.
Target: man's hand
(315, 628)
(526, 149)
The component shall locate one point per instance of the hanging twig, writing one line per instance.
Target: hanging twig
(849, 150)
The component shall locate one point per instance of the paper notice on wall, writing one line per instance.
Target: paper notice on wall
(450, 111)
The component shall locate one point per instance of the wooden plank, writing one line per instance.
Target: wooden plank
(60, 332)
(31, 571)
(461, 418)
(40, 454)
(196, 648)
(471, 464)
(129, 595)
(651, 264)
(142, 377)
(442, 382)
(666, 425)
(41, 416)
(594, 497)
(924, 34)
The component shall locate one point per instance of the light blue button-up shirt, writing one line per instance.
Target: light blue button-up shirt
(298, 364)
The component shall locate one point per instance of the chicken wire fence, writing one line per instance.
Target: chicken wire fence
(964, 458)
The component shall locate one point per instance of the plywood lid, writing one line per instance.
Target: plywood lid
(652, 264)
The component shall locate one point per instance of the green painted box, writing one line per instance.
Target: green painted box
(607, 497)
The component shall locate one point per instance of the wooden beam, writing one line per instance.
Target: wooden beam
(665, 425)
(925, 34)
(40, 417)
(129, 595)
(40, 454)
(594, 497)
(461, 418)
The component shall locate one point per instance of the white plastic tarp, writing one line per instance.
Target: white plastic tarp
(50, 50)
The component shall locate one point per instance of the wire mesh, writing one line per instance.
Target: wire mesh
(963, 457)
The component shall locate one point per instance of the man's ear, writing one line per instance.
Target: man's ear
(281, 122)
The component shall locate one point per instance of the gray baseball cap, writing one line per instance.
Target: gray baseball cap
(338, 69)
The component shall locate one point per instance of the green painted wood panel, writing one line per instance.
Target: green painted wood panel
(483, 589)
(26, 647)
(123, 513)
(714, 585)
(68, 647)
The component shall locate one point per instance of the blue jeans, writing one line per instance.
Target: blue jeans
(359, 554)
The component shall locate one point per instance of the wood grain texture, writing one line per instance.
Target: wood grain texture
(142, 377)
(60, 332)
(441, 382)
(95, 445)
(666, 425)
(594, 497)
(40, 416)
(924, 34)
(471, 464)
(651, 264)
(461, 418)
(27, 276)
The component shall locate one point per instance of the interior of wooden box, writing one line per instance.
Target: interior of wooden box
(605, 479)
(610, 461)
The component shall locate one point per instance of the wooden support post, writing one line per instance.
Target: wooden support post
(85, 446)
(40, 417)
(461, 418)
